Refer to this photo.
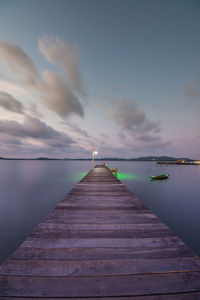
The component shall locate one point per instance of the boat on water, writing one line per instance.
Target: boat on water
(161, 176)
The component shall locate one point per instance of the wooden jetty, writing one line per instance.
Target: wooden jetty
(101, 242)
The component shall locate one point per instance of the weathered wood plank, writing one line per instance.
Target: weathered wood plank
(60, 227)
(101, 253)
(65, 212)
(102, 242)
(100, 286)
(172, 296)
(102, 193)
(83, 206)
(100, 201)
(52, 233)
(129, 195)
(103, 219)
(104, 209)
(85, 183)
(133, 215)
(94, 202)
(111, 187)
(102, 197)
(98, 267)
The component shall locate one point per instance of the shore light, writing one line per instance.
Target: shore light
(94, 152)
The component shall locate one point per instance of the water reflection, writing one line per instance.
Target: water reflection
(175, 201)
(129, 176)
(29, 191)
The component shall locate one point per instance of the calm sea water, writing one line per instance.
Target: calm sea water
(29, 190)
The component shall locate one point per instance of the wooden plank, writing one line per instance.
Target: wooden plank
(103, 219)
(52, 233)
(172, 296)
(101, 253)
(117, 187)
(129, 196)
(60, 227)
(100, 201)
(99, 286)
(102, 242)
(102, 197)
(107, 199)
(95, 212)
(98, 267)
(85, 183)
(82, 213)
(92, 202)
(133, 215)
(102, 193)
(102, 206)
(100, 188)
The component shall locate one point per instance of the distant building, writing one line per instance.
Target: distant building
(197, 162)
(181, 160)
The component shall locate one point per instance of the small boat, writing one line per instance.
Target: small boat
(161, 176)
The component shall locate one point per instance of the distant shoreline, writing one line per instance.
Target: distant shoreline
(159, 159)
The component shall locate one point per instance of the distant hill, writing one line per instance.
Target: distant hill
(47, 158)
(143, 158)
(161, 158)
(146, 158)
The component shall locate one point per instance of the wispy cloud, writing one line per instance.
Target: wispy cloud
(9, 103)
(12, 88)
(33, 110)
(76, 128)
(133, 119)
(65, 56)
(17, 61)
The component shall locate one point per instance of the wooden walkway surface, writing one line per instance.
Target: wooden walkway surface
(101, 242)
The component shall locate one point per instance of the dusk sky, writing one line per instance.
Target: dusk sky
(120, 76)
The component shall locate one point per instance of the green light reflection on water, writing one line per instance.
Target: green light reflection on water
(129, 176)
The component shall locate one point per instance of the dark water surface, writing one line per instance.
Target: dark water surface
(29, 190)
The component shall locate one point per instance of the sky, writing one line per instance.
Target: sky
(120, 76)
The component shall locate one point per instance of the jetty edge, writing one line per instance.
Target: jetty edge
(101, 242)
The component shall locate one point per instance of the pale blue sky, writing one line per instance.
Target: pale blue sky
(143, 54)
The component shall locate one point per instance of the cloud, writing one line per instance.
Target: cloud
(8, 102)
(129, 116)
(145, 137)
(77, 129)
(12, 88)
(56, 95)
(35, 132)
(34, 138)
(32, 107)
(138, 133)
(17, 60)
(61, 94)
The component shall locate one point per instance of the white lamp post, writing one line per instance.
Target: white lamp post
(94, 152)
